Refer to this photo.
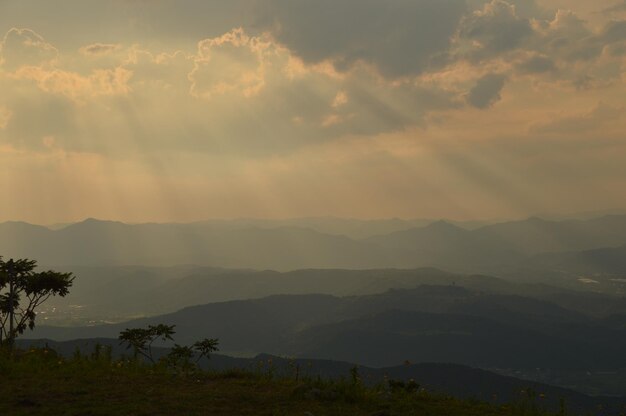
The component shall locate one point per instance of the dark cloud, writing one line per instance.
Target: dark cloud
(620, 7)
(536, 65)
(99, 48)
(615, 31)
(570, 39)
(399, 37)
(497, 28)
(487, 90)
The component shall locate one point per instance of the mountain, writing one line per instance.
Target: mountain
(120, 293)
(93, 242)
(395, 335)
(427, 324)
(442, 244)
(288, 247)
(19, 238)
(535, 235)
(610, 261)
(352, 228)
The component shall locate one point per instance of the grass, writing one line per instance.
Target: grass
(38, 382)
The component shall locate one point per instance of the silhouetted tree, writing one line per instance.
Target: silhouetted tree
(141, 339)
(22, 291)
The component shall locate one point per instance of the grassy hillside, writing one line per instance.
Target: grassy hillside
(38, 382)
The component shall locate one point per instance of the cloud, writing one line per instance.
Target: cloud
(162, 72)
(617, 8)
(340, 99)
(24, 47)
(248, 93)
(166, 22)
(487, 90)
(615, 31)
(588, 122)
(494, 29)
(264, 106)
(561, 49)
(536, 64)
(568, 37)
(236, 94)
(35, 115)
(75, 86)
(398, 37)
(27, 56)
(99, 49)
(5, 117)
(231, 62)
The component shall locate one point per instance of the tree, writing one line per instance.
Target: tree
(141, 339)
(22, 291)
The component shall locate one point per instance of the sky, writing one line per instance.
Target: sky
(158, 110)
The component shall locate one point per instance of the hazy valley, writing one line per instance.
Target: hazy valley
(535, 299)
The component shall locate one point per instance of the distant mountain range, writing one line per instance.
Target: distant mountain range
(289, 247)
(611, 261)
(119, 293)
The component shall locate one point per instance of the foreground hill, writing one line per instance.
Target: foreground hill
(41, 383)
(452, 380)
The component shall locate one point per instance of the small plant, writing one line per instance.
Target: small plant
(180, 357)
(529, 403)
(562, 408)
(399, 386)
(354, 375)
(295, 369)
(103, 353)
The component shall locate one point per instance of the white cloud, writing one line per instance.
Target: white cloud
(231, 62)
(75, 86)
(24, 47)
